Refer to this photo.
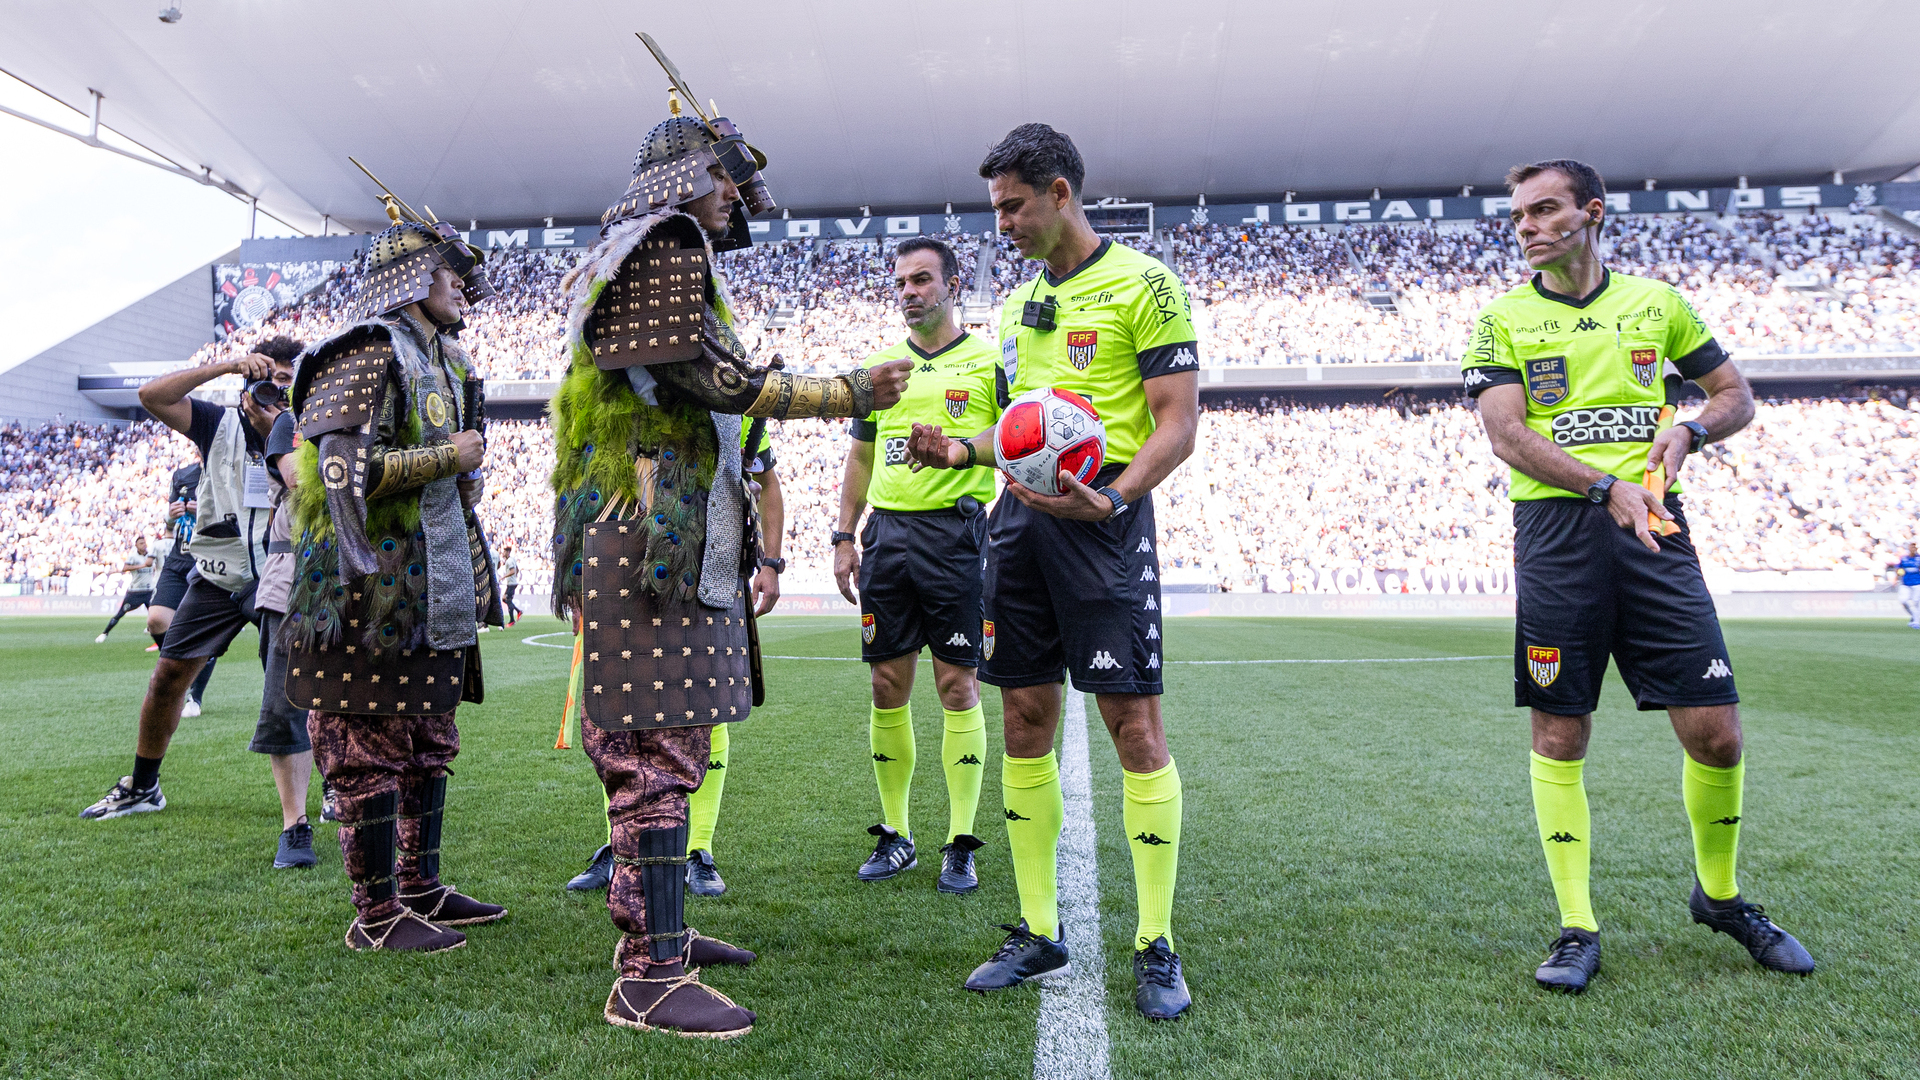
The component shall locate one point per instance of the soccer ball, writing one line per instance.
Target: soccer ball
(1045, 432)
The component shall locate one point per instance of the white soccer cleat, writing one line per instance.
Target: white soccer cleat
(101, 640)
(189, 710)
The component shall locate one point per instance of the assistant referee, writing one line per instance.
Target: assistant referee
(1567, 371)
(919, 561)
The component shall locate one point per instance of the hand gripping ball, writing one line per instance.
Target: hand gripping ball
(1045, 432)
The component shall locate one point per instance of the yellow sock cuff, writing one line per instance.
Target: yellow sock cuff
(1159, 786)
(721, 739)
(1712, 775)
(1549, 771)
(1029, 772)
(890, 718)
(972, 719)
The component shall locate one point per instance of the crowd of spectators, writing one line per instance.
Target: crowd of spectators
(1277, 495)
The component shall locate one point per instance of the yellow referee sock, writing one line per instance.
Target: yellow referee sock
(1566, 834)
(1151, 813)
(890, 734)
(962, 749)
(1036, 809)
(1713, 807)
(703, 806)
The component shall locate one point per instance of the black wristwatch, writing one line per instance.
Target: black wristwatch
(1597, 494)
(973, 456)
(1699, 435)
(779, 565)
(1119, 504)
(842, 538)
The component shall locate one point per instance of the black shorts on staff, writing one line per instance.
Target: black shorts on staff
(207, 620)
(1589, 589)
(920, 585)
(171, 585)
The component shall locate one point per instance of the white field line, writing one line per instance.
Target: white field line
(1072, 1043)
(535, 640)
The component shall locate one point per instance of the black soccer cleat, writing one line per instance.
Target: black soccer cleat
(702, 878)
(1022, 956)
(1772, 947)
(1159, 986)
(598, 874)
(123, 799)
(296, 847)
(956, 865)
(1572, 962)
(892, 855)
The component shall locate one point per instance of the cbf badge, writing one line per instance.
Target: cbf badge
(1080, 347)
(1547, 380)
(1645, 363)
(957, 402)
(986, 639)
(867, 629)
(1544, 664)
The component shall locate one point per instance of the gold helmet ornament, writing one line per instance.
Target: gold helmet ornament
(671, 169)
(402, 258)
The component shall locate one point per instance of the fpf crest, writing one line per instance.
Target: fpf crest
(1080, 347)
(867, 629)
(986, 639)
(1646, 362)
(957, 402)
(1543, 665)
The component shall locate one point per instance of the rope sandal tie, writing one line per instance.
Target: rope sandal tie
(388, 925)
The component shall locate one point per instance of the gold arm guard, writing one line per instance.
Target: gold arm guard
(785, 396)
(414, 467)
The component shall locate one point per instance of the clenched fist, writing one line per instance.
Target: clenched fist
(889, 383)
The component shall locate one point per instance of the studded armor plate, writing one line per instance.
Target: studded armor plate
(651, 312)
(650, 663)
(342, 679)
(341, 390)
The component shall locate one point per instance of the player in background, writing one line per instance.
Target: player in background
(1909, 570)
(703, 803)
(509, 567)
(139, 565)
(918, 563)
(1073, 580)
(1566, 369)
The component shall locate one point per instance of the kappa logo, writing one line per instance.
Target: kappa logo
(1011, 816)
(986, 639)
(1150, 839)
(868, 629)
(1153, 603)
(712, 765)
(1153, 662)
(1146, 573)
(957, 402)
(927, 368)
(1645, 363)
(1081, 345)
(1563, 838)
(1718, 670)
(1184, 358)
(959, 639)
(1474, 377)
(883, 759)
(1584, 325)
(1103, 661)
(1144, 546)
(1734, 820)
(1544, 664)
(1153, 632)
(968, 760)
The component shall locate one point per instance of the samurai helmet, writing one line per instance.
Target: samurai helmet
(670, 170)
(402, 258)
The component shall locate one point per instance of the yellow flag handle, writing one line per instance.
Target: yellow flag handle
(1656, 481)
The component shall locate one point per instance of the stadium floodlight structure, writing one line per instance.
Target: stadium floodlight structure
(1116, 217)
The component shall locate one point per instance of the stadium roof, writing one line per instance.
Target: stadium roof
(510, 112)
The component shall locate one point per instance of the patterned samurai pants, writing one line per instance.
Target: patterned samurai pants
(648, 776)
(365, 757)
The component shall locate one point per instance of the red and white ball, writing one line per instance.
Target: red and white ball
(1045, 432)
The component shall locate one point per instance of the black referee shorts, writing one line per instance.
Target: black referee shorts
(171, 586)
(1588, 589)
(1073, 597)
(920, 585)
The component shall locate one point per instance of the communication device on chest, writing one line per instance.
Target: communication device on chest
(1039, 314)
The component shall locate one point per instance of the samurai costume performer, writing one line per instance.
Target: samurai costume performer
(392, 574)
(655, 539)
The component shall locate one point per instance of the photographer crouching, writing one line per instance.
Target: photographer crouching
(229, 545)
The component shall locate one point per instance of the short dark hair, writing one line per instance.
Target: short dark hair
(949, 262)
(280, 347)
(1038, 155)
(1585, 181)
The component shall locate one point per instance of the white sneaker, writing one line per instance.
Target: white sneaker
(122, 800)
(101, 640)
(484, 629)
(190, 709)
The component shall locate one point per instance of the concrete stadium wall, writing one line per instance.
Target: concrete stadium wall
(167, 324)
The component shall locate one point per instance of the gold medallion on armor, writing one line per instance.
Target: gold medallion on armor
(436, 409)
(334, 472)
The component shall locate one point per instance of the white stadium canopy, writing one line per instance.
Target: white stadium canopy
(515, 111)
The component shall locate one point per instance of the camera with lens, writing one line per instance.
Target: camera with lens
(1039, 314)
(267, 394)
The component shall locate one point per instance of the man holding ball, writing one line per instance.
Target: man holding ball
(1072, 580)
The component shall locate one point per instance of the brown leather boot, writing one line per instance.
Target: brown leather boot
(405, 932)
(672, 999)
(441, 904)
(703, 951)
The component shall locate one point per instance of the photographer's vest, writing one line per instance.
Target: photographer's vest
(230, 538)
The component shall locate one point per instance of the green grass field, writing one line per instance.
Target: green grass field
(1361, 895)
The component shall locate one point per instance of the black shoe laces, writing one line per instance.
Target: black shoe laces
(1156, 964)
(1567, 951)
(1018, 938)
(1759, 929)
(300, 835)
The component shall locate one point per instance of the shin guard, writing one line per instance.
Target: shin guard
(367, 842)
(662, 865)
(422, 808)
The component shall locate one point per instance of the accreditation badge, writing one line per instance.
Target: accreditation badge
(1547, 379)
(1543, 664)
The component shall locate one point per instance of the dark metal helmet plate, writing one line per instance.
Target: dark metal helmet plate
(671, 170)
(401, 261)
